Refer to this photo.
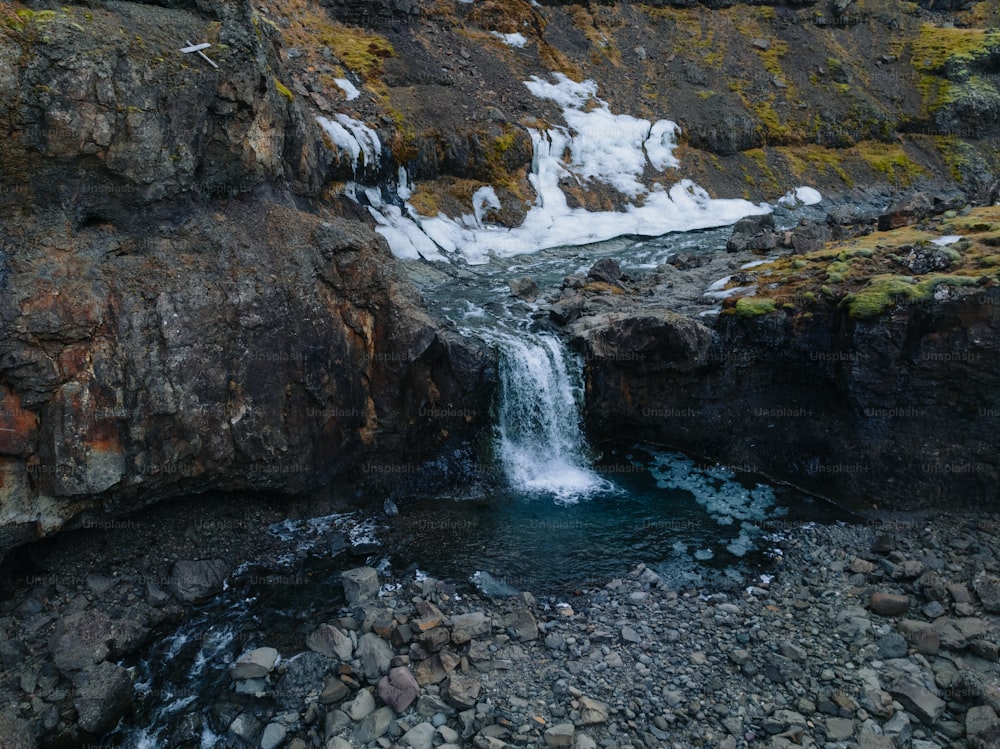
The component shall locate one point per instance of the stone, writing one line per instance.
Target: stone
(461, 692)
(521, 625)
(839, 729)
(959, 593)
(246, 729)
(868, 740)
(192, 581)
(889, 604)
(256, 664)
(435, 639)
(630, 635)
(302, 674)
(360, 585)
(335, 691)
(273, 736)
(338, 743)
(523, 288)
(917, 699)
(792, 651)
(103, 694)
(374, 726)
(781, 670)
(893, 645)
(399, 689)
(985, 649)
(861, 566)
(921, 636)
(898, 728)
(606, 270)
(593, 711)
(80, 640)
(560, 735)
(329, 641)
(361, 706)
(375, 656)
(430, 671)
(100, 584)
(932, 609)
(465, 627)
(421, 736)
(981, 719)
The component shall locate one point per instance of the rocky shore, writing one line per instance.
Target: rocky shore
(877, 636)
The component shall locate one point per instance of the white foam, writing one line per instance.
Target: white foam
(351, 91)
(946, 240)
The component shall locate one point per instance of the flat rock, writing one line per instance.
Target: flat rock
(375, 656)
(919, 700)
(889, 604)
(103, 694)
(465, 627)
(839, 729)
(361, 706)
(421, 736)
(256, 664)
(195, 580)
(360, 585)
(399, 689)
(335, 691)
(560, 735)
(780, 669)
(329, 641)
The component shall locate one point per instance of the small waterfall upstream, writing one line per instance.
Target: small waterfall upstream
(539, 445)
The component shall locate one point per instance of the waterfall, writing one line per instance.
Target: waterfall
(539, 445)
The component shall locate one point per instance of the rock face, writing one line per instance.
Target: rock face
(834, 404)
(176, 315)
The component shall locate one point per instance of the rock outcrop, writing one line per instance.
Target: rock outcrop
(824, 369)
(178, 311)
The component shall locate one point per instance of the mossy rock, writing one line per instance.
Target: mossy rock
(752, 306)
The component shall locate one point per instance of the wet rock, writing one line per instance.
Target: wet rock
(195, 580)
(753, 233)
(523, 288)
(605, 270)
(103, 694)
(255, 664)
(246, 729)
(889, 604)
(329, 641)
(809, 236)
(360, 585)
(981, 720)
(399, 689)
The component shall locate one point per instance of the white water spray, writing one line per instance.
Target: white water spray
(538, 440)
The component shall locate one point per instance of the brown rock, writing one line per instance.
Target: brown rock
(889, 604)
(399, 689)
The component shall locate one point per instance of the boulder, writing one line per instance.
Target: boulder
(524, 289)
(560, 735)
(593, 711)
(987, 587)
(374, 726)
(980, 720)
(195, 580)
(606, 270)
(399, 689)
(254, 664)
(461, 692)
(103, 694)
(329, 641)
(80, 640)
(361, 706)
(465, 627)
(375, 656)
(918, 700)
(360, 585)
(889, 604)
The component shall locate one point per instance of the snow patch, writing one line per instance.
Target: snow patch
(800, 196)
(354, 137)
(511, 40)
(946, 240)
(351, 91)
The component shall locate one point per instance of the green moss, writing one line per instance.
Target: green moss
(883, 291)
(936, 47)
(891, 161)
(283, 90)
(750, 306)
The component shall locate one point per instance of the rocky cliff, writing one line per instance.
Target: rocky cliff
(180, 311)
(864, 371)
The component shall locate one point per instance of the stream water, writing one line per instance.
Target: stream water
(563, 518)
